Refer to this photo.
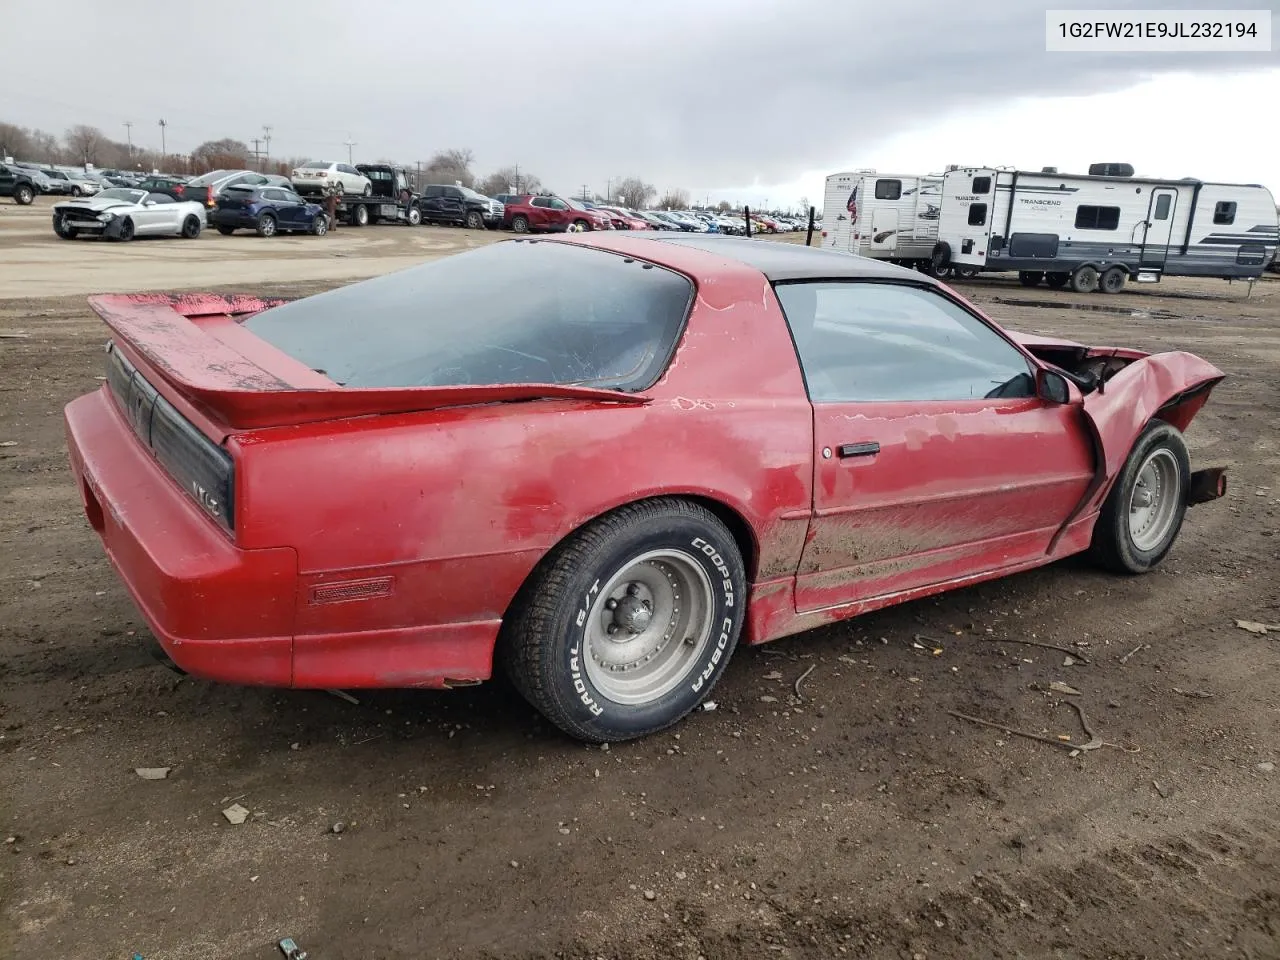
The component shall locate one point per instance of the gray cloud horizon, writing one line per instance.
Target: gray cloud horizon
(682, 94)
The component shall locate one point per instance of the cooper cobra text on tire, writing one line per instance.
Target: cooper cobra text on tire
(1143, 512)
(626, 626)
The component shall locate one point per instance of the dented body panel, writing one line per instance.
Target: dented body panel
(380, 535)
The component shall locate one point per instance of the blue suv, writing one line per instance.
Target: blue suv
(268, 210)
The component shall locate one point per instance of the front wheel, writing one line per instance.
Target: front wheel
(368, 190)
(320, 224)
(520, 224)
(127, 230)
(414, 216)
(1144, 510)
(226, 231)
(1030, 278)
(77, 192)
(580, 226)
(475, 220)
(63, 228)
(23, 194)
(626, 626)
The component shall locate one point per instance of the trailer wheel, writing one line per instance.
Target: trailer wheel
(1084, 280)
(941, 258)
(1057, 281)
(1030, 278)
(359, 215)
(1113, 280)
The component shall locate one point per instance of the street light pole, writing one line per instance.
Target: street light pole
(163, 151)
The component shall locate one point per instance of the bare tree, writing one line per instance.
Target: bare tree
(724, 206)
(44, 146)
(634, 192)
(84, 142)
(676, 199)
(449, 166)
(15, 142)
(212, 150)
(509, 180)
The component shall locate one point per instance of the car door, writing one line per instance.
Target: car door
(455, 204)
(933, 458)
(298, 215)
(557, 212)
(352, 178)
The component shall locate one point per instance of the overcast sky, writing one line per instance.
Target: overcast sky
(732, 99)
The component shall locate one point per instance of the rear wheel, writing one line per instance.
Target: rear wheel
(1030, 278)
(267, 225)
(1144, 510)
(1113, 279)
(1057, 281)
(359, 215)
(940, 260)
(626, 626)
(1084, 280)
(475, 221)
(191, 227)
(520, 224)
(23, 194)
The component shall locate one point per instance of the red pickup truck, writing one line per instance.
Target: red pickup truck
(527, 214)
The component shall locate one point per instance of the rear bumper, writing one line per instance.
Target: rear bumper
(219, 612)
(245, 616)
(238, 219)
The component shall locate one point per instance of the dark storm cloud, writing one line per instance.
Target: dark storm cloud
(698, 92)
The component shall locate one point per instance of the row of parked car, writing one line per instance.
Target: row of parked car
(123, 204)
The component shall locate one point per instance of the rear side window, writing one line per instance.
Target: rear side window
(1097, 218)
(981, 184)
(977, 214)
(513, 312)
(1224, 212)
(888, 189)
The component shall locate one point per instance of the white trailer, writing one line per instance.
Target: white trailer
(1095, 232)
(891, 217)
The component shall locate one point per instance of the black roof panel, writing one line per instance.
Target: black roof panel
(789, 261)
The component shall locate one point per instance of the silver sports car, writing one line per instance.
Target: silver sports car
(122, 213)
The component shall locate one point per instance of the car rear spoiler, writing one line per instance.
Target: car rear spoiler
(196, 344)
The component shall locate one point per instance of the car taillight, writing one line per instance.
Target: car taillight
(205, 471)
(323, 173)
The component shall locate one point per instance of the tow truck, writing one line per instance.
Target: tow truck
(392, 200)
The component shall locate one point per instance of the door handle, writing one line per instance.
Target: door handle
(868, 448)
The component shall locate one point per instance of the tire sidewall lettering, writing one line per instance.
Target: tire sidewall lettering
(701, 674)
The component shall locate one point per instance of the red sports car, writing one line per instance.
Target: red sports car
(602, 461)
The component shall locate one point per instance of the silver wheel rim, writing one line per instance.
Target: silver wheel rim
(649, 626)
(268, 227)
(1153, 504)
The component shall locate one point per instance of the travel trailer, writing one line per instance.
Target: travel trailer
(890, 217)
(1098, 231)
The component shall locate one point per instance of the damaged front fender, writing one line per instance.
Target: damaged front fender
(1166, 386)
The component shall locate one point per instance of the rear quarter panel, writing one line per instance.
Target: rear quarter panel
(458, 505)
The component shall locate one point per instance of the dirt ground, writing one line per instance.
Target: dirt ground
(862, 820)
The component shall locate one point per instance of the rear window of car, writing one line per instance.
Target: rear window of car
(522, 311)
(316, 165)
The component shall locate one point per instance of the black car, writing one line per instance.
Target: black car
(18, 183)
(442, 203)
(268, 210)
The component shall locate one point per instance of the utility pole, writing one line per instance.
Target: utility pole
(517, 183)
(584, 192)
(256, 153)
(349, 144)
(128, 127)
(266, 137)
(608, 190)
(163, 151)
